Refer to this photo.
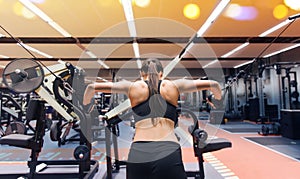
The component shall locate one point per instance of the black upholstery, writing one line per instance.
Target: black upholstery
(216, 144)
(35, 111)
(17, 140)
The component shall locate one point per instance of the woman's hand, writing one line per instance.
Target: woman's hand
(216, 90)
(88, 94)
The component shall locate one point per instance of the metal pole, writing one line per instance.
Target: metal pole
(261, 98)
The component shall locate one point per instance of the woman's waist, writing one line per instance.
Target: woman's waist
(157, 122)
(157, 129)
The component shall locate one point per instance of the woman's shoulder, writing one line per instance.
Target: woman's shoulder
(167, 83)
(138, 84)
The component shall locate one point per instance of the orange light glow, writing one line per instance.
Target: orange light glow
(27, 13)
(293, 4)
(280, 11)
(17, 8)
(142, 3)
(191, 11)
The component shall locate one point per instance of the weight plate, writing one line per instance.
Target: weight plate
(81, 153)
(23, 75)
(15, 128)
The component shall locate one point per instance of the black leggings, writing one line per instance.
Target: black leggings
(155, 160)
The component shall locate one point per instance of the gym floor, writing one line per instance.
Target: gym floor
(251, 155)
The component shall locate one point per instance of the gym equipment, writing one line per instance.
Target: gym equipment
(290, 123)
(10, 107)
(15, 128)
(270, 129)
(290, 94)
(202, 145)
(24, 76)
(12, 114)
(81, 153)
(50, 92)
(260, 68)
(35, 111)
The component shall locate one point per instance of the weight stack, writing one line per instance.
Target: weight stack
(253, 108)
(290, 123)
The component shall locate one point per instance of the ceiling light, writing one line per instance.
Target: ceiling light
(38, 1)
(27, 13)
(91, 54)
(217, 11)
(238, 12)
(136, 49)
(278, 26)
(235, 50)
(280, 11)
(34, 50)
(61, 62)
(210, 63)
(127, 7)
(242, 64)
(100, 78)
(139, 63)
(189, 47)
(137, 54)
(293, 4)
(269, 31)
(44, 17)
(191, 11)
(213, 16)
(35, 10)
(142, 3)
(59, 29)
(102, 64)
(282, 50)
(233, 10)
(3, 56)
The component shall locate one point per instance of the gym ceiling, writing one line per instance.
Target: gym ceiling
(96, 31)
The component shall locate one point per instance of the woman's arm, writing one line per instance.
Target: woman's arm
(107, 87)
(187, 86)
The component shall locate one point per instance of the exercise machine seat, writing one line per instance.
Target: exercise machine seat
(216, 144)
(35, 111)
(18, 140)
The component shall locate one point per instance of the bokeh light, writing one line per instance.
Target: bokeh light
(38, 1)
(280, 11)
(241, 13)
(293, 4)
(27, 13)
(233, 10)
(142, 3)
(20, 10)
(191, 11)
(105, 3)
(133, 2)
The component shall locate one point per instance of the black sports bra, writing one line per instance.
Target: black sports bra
(155, 106)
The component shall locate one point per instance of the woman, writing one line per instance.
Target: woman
(155, 151)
